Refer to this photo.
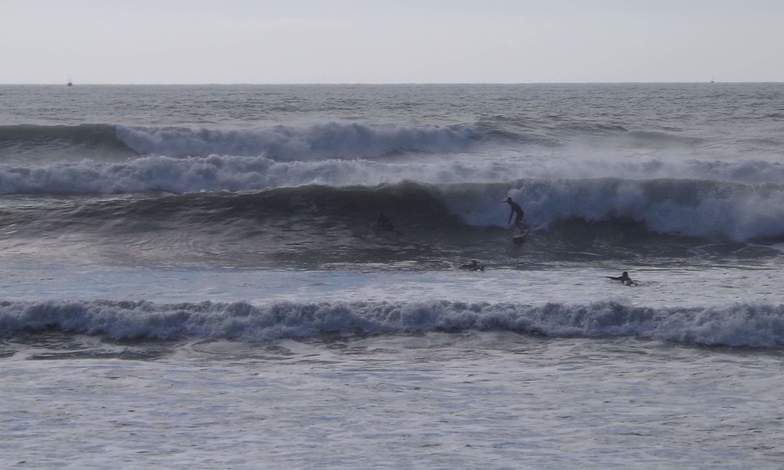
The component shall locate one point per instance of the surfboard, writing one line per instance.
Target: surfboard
(519, 235)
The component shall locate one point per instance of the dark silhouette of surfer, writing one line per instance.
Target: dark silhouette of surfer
(624, 278)
(384, 224)
(472, 266)
(517, 212)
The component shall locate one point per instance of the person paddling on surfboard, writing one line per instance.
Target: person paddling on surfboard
(472, 266)
(517, 212)
(624, 278)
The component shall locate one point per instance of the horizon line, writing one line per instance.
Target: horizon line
(674, 82)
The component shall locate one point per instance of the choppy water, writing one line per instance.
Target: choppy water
(203, 263)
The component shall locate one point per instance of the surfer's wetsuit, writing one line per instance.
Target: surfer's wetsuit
(517, 212)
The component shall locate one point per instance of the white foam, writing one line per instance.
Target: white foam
(686, 207)
(738, 325)
(328, 140)
(232, 173)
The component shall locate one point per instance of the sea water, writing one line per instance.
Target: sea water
(192, 276)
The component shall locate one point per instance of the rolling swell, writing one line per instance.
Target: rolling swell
(80, 134)
(740, 325)
(46, 143)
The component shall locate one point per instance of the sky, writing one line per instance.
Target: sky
(390, 41)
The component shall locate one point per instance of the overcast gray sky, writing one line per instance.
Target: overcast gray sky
(392, 41)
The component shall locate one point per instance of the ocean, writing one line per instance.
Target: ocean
(193, 277)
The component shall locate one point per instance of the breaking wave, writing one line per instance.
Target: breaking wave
(741, 325)
(223, 173)
(280, 142)
(155, 173)
(694, 208)
(329, 140)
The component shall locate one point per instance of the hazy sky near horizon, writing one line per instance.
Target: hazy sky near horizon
(353, 41)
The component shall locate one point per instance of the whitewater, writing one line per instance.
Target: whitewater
(192, 276)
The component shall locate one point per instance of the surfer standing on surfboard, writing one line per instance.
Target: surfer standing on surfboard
(517, 212)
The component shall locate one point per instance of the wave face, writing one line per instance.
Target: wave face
(33, 143)
(92, 134)
(741, 325)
